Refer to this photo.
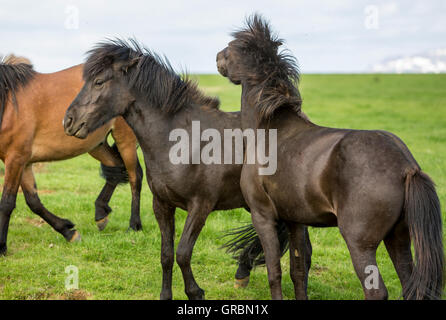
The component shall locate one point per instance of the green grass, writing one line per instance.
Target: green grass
(115, 264)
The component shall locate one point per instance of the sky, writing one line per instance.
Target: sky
(326, 36)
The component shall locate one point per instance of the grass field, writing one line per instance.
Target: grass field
(115, 264)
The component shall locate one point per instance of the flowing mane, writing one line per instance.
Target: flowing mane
(275, 73)
(15, 72)
(153, 76)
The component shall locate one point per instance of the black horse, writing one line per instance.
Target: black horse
(365, 182)
(125, 79)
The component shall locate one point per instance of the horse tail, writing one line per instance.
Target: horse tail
(115, 175)
(15, 72)
(423, 217)
(245, 245)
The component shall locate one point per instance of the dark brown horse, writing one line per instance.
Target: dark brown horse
(365, 182)
(123, 79)
(32, 107)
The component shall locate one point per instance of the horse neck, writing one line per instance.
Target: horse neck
(282, 118)
(149, 125)
(249, 115)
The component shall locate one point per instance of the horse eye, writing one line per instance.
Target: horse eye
(99, 82)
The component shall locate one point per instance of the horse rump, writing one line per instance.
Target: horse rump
(15, 73)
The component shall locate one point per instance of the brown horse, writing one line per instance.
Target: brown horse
(365, 182)
(125, 79)
(32, 107)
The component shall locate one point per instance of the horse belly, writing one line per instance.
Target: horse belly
(305, 209)
(58, 146)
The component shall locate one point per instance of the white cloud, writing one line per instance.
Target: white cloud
(429, 62)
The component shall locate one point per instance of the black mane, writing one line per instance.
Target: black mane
(275, 73)
(153, 77)
(14, 74)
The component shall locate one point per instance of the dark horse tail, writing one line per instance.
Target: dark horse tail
(423, 217)
(15, 72)
(115, 175)
(245, 245)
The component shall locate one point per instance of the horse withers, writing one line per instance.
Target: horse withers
(367, 183)
(32, 107)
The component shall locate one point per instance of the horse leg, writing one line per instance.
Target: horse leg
(308, 251)
(398, 246)
(364, 262)
(299, 264)
(192, 228)
(363, 253)
(251, 252)
(165, 215)
(102, 209)
(267, 231)
(126, 142)
(63, 226)
(246, 263)
(13, 173)
(106, 156)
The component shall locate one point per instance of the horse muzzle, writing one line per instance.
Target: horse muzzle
(75, 128)
(221, 64)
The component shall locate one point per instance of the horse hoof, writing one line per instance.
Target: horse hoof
(76, 237)
(3, 250)
(102, 223)
(241, 283)
(196, 294)
(166, 295)
(137, 227)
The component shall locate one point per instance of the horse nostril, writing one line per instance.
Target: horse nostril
(68, 122)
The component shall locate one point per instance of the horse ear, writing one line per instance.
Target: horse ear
(130, 64)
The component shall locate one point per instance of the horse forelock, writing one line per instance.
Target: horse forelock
(108, 52)
(275, 73)
(153, 76)
(258, 47)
